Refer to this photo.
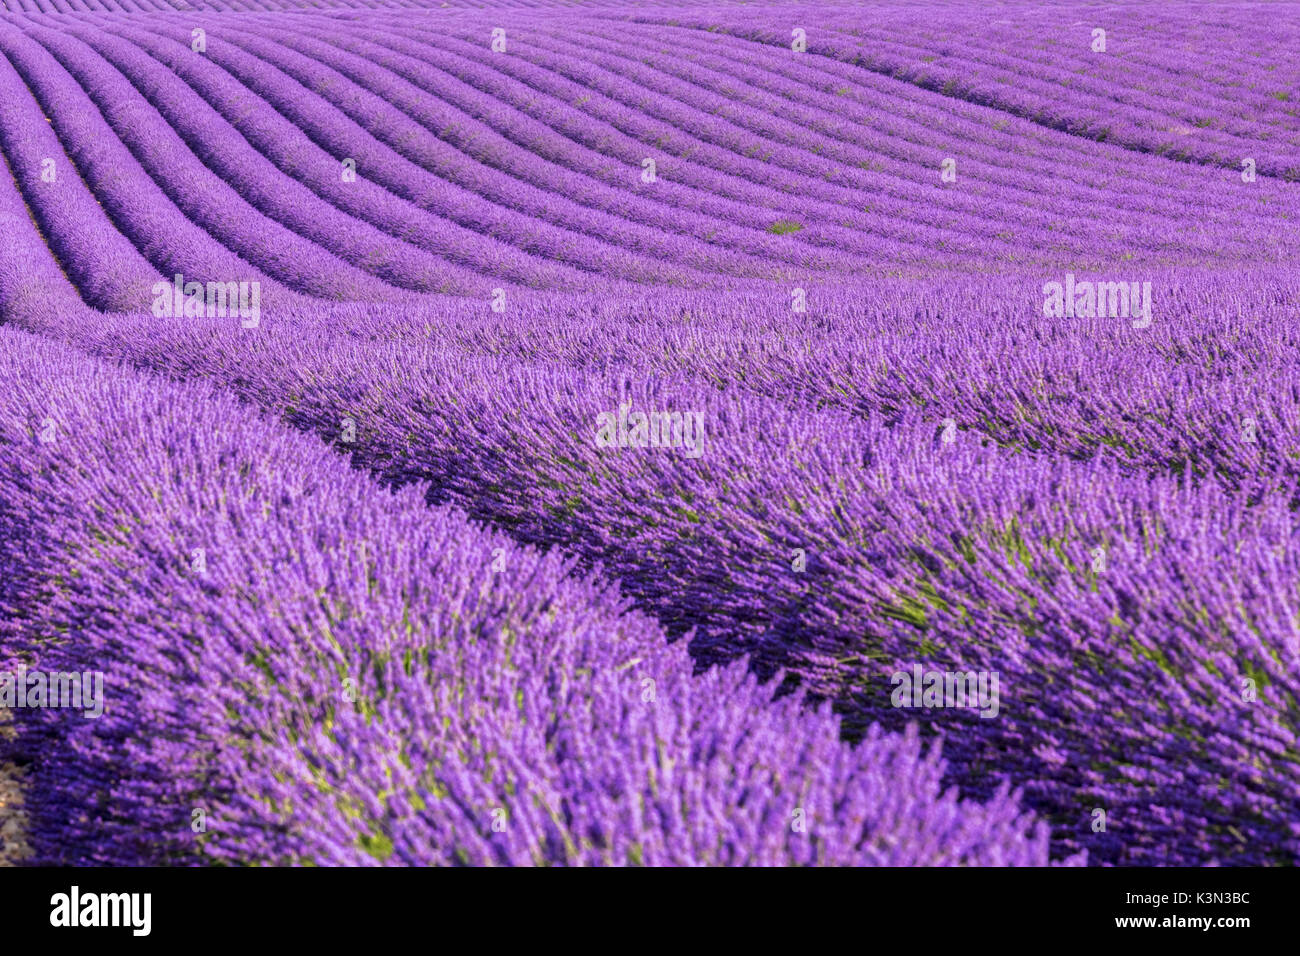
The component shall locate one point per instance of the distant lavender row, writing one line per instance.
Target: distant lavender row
(219, 145)
(523, 168)
(1112, 108)
(301, 668)
(268, 135)
(1007, 187)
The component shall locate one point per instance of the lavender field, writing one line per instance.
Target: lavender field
(649, 433)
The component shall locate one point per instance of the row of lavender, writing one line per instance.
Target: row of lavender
(299, 667)
(1142, 623)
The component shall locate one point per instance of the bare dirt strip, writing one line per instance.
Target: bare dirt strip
(14, 847)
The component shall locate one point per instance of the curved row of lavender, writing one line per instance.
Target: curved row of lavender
(1236, 104)
(916, 472)
(300, 667)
